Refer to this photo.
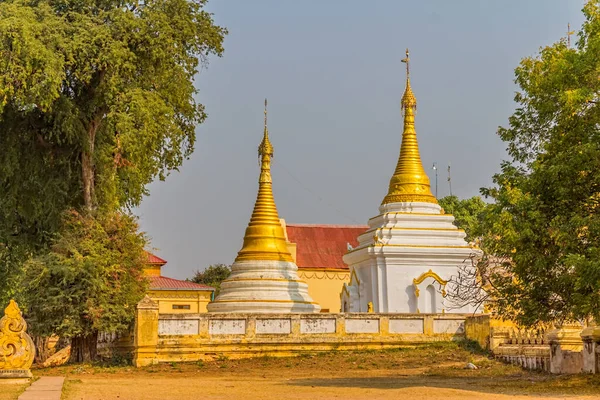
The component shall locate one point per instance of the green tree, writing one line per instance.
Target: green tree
(544, 228)
(97, 99)
(467, 213)
(213, 276)
(89, 282)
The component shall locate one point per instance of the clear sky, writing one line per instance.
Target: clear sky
(332, 73)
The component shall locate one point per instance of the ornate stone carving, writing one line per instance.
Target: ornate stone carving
(17, 350)
(147, 303)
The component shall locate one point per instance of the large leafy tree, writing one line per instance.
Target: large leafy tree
(544, 228)
(97, 99)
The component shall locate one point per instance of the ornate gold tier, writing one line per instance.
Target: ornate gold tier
(409, 183)
(264, 238)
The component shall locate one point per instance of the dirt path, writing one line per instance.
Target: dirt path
(376, 387)
(431, 372)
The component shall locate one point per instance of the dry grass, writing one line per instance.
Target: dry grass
(434, 372)
(11, 391)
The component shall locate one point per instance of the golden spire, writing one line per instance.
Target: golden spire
(264, 238)
(409, 183)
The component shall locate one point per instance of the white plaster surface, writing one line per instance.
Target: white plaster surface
(273, 326)
(317, 325)
(406, 326)
(451, 326)
(406, 241)
(263, 286)
(178, 327)
(227, 327)
(362, 325)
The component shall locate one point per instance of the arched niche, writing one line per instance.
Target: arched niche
(430, 290)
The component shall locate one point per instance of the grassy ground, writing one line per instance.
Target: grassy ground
(11, 391)
(434, 371)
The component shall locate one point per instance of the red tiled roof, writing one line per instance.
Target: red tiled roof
(322, 246)
(164, 283)
(155, 260)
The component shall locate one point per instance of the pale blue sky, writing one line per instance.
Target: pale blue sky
(332, 73)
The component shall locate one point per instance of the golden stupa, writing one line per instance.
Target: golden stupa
(409, 183)
(264, 277)
(264, 238)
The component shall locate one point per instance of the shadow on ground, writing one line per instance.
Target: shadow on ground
(542, 385)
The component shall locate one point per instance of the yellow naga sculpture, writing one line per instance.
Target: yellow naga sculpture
(17, 350)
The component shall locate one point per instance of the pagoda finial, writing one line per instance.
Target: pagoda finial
(409, 183)
(408, 99)
(265, 147)
(264, 238)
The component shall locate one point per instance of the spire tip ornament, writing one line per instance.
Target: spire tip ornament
(265, 148)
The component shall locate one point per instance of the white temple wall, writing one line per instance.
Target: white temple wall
(391, 288)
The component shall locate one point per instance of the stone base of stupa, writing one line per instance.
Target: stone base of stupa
(406, 262)
(263, 287)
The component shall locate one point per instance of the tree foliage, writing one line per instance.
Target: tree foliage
(89, 282)
(97, 99)
(468, 213)
(544, 228)
(213, 276)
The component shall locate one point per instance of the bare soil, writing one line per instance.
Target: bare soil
(434, 371)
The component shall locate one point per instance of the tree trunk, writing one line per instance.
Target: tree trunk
(87, 175)
(42, 352)
(87, 162)
(83, 348)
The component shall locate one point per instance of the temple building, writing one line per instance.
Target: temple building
(317, 250)
(264, 277)
(404, 261)
(175, 296)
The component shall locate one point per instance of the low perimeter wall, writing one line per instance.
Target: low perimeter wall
(191, 337)
(559, 349)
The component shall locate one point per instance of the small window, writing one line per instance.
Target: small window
(181, 306)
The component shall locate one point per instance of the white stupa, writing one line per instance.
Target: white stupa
(264, 277)
(404, 262)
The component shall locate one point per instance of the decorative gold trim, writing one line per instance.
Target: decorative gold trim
(414, 229)
(412, 213)
(408, 246)
(325, 269)
(354, 276)
(154, 295)
(429, 274)
(344, 289)
(321, 275)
